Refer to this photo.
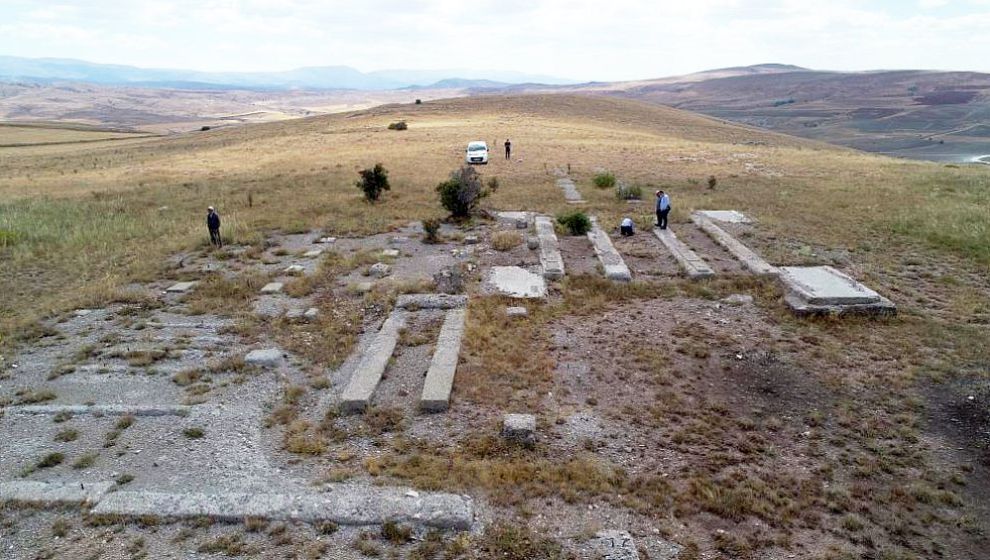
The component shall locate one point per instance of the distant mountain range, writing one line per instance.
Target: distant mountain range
(47, 70)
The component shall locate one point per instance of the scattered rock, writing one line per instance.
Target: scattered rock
(533, 242)
(471, 240)
(392, 253)
(272, 288)
(312, 313)
(312, 254)
(520, 428)
(180, 287)
(450, 280)
(398, 240)
(738, 299)
(295, 269)
(380, 270)
(267, 357)
(327, 240)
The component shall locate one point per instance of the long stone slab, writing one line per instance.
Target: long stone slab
(369, 371)
(517, 282)
(550, 258)
(102, 410)
(440, 376)
(344, 505)
(571, 194)
(431, 301)
(693, 265)
(53, 494)
(615, 268)
(749, 259)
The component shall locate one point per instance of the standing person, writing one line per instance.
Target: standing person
(213, 224)
(663, 208)
(508, 148)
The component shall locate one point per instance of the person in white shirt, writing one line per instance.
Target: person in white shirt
(626, 228)
(663, 208)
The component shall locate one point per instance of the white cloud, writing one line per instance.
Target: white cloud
(583, 39)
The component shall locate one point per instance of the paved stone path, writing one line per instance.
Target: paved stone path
(693, 265)
(749, 259)
(550, 259)
(615, 268)
(440, 376)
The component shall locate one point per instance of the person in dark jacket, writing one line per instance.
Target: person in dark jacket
(213, 224)
(508, 149)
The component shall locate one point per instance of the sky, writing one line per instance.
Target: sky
(583, 40)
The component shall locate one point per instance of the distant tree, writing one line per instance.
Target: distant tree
(462, 193)
(419, 102)
(373, 181)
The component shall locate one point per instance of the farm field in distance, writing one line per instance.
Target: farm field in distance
(702, 426)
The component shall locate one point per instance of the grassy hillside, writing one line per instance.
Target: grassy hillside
(826, 439)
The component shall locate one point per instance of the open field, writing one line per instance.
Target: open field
(19, 135)
(734, 431)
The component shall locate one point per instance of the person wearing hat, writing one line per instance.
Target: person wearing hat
(663, 208)
(213, 224)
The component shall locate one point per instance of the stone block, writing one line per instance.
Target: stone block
(517, 282)
(327, 240)
(181, 287)
(295, 269)
(431, 301)
(311, 314)
(440, 375)
(516, 311)
(266, 357)
(380, 270)
(313, 253)
(471, 240)
(272, 288)
(822, 290)
(533, 242)
(390, 253)
(520, 428)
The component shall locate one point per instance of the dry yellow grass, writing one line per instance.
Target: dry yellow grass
(77, 220)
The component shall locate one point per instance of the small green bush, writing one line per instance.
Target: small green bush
(7, 237)
(604, 180)
(577, 222)
(373, 181)
(401, 125)
(462, 193)
(431, 228)
(629, 192)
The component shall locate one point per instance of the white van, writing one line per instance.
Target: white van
(477, 152)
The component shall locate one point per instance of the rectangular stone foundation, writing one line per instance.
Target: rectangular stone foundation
(749, 259)
(615, 268)
(553, 263)
(823, 290)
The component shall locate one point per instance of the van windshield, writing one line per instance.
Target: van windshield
(477, 148)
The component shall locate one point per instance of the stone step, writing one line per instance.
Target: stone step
(368, 374)
(693, 265)
(749, 259)
(550, 258)
(440, 376)
(615, 268)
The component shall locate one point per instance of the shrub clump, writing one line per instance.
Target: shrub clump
(506, 240)
(373, 181)
(577, 222)
(431, 229)
(462, 193)
(401, 125)
(604, 180)
(629, 192)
